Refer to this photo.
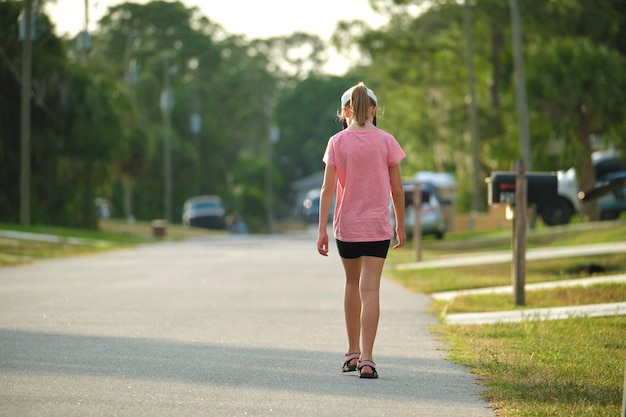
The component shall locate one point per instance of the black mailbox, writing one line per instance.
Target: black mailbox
(542, 187)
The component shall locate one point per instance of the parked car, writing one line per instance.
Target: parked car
(311, 207)
(560, 210)
(432, 218)
(204, 211)
(613, 202)
(610, 174)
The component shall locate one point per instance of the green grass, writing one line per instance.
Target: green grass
(111, 234)
(557, 297)
(545, 368)
(500, 240)
(430, 280)
(18, 252)
(571, 367)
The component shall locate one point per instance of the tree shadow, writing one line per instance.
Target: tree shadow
(402, 379)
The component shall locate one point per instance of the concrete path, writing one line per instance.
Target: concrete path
(537, 286)
(552, 313)
(233, 326)
(506, 256)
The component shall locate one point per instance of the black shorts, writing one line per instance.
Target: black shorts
(353, 250)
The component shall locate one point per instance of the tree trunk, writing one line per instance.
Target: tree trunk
(587, 176)
(497, 39)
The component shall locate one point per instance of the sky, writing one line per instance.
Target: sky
(251, 18)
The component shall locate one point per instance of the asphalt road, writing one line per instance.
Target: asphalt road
(229, 326)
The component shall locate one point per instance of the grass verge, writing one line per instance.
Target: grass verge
(571, 367)
(44, 242)
(500, 240)
(557, 297)
(429, 280)
(545, 368)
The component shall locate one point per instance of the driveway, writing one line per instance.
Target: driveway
(228, 326)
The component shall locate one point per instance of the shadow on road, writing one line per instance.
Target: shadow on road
(313, 372)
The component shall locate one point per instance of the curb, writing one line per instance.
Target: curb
(557, 313)
(508, 289)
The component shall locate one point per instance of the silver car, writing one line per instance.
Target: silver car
(204, 211)
(311, 207)
(431, 211)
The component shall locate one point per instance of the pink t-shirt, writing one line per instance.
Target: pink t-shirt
(362, 159)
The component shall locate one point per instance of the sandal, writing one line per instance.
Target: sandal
(369, 375)
(347, 367)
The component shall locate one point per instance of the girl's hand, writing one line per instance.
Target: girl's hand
(322, 243)
(400, 237)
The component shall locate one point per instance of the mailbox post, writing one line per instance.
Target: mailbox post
(417, 223)
(542, 187)
(518, 270)
(536, 188)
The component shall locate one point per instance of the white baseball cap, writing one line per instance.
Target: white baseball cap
(345, 98)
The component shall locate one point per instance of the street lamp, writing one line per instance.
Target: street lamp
(84, 39)
(274, 135)
(195, 120)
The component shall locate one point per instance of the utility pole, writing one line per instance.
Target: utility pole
(86, 15)
(166, 108)
(129, 79)
(469, 58)
(520, 84)
(84, 39)
(25, 115)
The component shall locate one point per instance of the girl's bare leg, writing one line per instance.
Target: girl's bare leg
(372, 269)
(352, 303)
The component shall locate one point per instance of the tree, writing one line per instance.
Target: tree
(580, 88)
(75, 139)
(211, 80)
(417, 59)
(419, 64)
(82, 158)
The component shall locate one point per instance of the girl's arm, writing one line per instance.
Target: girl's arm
(397, 195)
(326, 199)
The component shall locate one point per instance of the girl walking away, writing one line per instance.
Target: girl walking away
(362, 166)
